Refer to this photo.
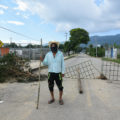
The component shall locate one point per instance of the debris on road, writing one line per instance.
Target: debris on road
(102, 77)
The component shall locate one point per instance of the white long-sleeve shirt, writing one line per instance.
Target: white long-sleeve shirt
(55, 64)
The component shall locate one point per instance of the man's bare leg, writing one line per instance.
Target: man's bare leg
(52, 98)
(52, 95)
(60, 98)
(60, 95)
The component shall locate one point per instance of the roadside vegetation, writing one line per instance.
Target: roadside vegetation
(112, 60)
(92, 51)
(12, 70)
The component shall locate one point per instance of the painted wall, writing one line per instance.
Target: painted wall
(4, 51)
(111, 53)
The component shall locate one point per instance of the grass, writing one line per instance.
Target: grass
(71, 56)
(112, 60)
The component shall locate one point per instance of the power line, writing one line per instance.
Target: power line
(20, 34)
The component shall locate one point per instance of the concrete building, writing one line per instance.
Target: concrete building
(111, 53)
(4, 51)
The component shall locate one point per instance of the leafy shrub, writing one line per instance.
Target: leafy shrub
(9, 65)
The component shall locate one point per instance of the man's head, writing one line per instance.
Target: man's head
(54, 47)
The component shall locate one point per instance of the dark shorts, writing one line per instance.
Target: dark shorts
(57, 77)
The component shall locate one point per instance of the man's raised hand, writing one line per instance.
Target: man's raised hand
(41, 58)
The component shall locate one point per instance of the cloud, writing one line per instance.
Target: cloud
(25, 16)
(2, 22)
(98, 2)
(1, 9)
(21, 5)
(63, 26)
(18, 13)
(23, 42)
(3, 6)
(67, 14)
(16, 22)
(1, 12)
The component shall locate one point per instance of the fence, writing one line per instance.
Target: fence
(111, 70)
(28, 53)
(86, 70)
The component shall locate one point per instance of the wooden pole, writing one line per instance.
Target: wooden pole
(39, 78)
(79, 82)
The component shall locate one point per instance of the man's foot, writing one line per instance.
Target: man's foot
(61, 102)
(51, 101)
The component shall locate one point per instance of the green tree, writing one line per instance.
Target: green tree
(91, 50)
(61, 46)
(106, 45)
(29, 46)
(91, 46)
(101, 52)
(78, 36)
(12, 45)
(79, 49)
(67, 46)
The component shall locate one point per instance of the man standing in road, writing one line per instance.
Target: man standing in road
(55, 61)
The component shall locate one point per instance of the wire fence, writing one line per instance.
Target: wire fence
(86, 70)
(111, 70)
(26, 53)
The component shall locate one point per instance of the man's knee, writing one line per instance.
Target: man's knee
(50, 85)
(60, 88)
(51, 89)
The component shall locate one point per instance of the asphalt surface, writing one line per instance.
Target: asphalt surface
(100, 100)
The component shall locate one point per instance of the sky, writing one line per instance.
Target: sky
(51, 19)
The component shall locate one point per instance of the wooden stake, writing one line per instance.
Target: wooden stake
(79, 82)
(39, 79)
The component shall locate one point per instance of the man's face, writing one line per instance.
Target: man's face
(54, 48)
(53, 45)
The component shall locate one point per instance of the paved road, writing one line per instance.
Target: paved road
(100, 100)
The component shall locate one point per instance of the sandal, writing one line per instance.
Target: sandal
(51, 101)
(61, 102)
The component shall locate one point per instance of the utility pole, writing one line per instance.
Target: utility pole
(96, 46)
(10, 39)
(66, 35)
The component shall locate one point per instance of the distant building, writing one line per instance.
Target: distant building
(4, 51)
(111, 53)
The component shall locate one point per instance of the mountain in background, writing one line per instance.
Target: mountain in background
(102, 40)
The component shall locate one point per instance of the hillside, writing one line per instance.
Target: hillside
(110, 39)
